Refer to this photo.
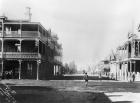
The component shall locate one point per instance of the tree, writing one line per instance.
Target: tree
(66, 68)
(70, 68)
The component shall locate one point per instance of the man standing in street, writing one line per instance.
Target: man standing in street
(86, 79)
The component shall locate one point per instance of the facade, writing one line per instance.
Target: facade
(104, 67)
(28, 50)
(126, 60)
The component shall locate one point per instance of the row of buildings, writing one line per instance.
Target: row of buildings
(28, 50)
(125, 61)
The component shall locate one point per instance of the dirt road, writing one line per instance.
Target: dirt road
(71, 91)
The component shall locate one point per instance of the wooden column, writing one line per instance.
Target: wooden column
(37, 46)
(122, 71)
(119, 71)
(131, 49)
(38, 64)
(116, 72)
(59, 71)
(127, 50)
(125, 73)
(130, 70)
(19, 69)
(54, 70)
(2, 62)
(135, 66)
(2, 46)
(138, 48)
(130, 66)
(127, 70)
(134, 49)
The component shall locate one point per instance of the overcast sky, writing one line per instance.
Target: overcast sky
(87, 29)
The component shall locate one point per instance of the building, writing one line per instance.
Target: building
(28, 50)
(126, 60)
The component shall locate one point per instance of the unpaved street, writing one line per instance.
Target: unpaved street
(72, 91)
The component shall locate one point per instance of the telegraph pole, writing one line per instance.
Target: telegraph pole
(28, 13)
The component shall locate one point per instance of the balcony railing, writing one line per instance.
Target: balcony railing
(29, 34)
(12, 34)
(21, 33)
(21, 55)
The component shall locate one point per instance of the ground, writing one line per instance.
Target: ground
(74, 91)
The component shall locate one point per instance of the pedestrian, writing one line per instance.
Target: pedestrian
(100, 76)
(86, 79)
(133, 77)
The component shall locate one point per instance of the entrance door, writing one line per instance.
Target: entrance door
(10, 69)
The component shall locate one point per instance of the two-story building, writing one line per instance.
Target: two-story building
(28, 50)
(127, 59)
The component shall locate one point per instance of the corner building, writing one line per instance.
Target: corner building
(127, 60)
(28, 50)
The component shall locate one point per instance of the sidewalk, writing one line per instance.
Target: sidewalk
(124, 97)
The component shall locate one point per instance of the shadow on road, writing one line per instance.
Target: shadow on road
(37, 94)
(123, 102)
(114, 95)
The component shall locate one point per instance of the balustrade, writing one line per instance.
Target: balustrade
(12, 34)
(29, 34)
(21, 34)
(21, 55)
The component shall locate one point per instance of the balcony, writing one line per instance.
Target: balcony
(18, 55)
(21, 34)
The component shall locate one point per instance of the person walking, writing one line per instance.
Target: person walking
(133, 77)
(100, 76)
(86, 79)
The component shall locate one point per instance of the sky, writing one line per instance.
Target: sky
(88, 29)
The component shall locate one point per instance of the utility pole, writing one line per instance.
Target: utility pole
(28, 13)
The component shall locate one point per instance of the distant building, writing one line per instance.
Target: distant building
(104, 67)
(28, 50)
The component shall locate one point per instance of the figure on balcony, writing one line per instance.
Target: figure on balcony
(8, 30)
(18, 47)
